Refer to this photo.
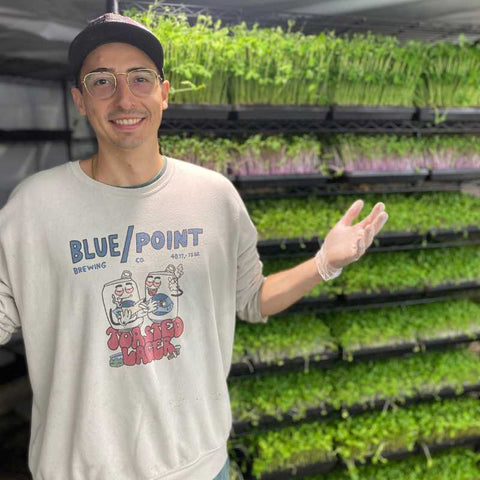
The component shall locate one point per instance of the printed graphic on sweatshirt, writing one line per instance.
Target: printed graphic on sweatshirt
(143, 326)
(132, 244)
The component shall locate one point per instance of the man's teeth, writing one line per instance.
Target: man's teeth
(129, 121)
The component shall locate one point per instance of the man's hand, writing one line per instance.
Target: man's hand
(344, 243)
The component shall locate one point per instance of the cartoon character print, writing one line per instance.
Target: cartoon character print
(162, 288)
(123, 306)
(127, 312)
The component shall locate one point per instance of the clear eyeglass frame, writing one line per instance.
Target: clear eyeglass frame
(114, 76)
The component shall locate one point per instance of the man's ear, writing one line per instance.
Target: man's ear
(165, 85)
(78, 100)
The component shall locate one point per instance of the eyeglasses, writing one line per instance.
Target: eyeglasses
(103, 85)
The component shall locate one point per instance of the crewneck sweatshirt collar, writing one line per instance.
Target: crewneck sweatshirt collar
(150, 187)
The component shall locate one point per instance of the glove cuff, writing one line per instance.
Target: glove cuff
(326, 271)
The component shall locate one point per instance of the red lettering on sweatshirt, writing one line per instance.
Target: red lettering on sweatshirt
(154, 344)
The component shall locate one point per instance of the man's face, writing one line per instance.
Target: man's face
(105, 116)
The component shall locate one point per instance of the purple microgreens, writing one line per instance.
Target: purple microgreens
(276, 163)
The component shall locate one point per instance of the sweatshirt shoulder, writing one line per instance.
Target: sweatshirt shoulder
(212, 188)
(201, 176)
(31, 191)
(40, 182)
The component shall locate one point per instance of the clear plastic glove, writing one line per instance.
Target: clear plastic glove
(345, 244)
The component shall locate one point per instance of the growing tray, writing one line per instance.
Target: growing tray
(445, 235)
(454, 175)
(197, 112)
(387, 241)
(242, 428)
(453, 114)
(371, 176)
(340, 112)
(332, 358)
(316, 179)
(281, 112)
(411, 347)
(411, 293)
(279, 180)
(248, 367)
(287, 246)
(419, 450)
(332, 187)
(300, 472)
(409, 296)
(438, 343)
(320, 468)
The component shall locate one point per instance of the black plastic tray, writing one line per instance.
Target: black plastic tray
(370, 177)
(248, 367)
(320, 468)
(197, 112)
(332, 358)
(428, 114)
(300, 472)
(241, 428)
(445, 235)
(387, 241)
(287, 112)
(455, 175)
(410, 293)
(280, 180)
(392, 239)
(287, 246)
(409, 348)
(354, 112)
(359, 301)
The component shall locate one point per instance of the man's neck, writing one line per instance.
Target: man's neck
(124, 168)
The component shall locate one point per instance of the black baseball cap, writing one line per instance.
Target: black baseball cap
(109, 28)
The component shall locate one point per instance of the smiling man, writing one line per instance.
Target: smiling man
(144, 262)
(121, 88)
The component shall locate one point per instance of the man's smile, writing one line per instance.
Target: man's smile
(127, 124)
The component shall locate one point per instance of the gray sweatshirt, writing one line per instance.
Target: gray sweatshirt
(127, 301)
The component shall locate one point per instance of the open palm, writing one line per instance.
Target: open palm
(346, 243)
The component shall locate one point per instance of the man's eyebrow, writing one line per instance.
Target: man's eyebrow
(112, 70)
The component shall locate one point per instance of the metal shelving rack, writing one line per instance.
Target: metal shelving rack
(230, 120)
(224, 128)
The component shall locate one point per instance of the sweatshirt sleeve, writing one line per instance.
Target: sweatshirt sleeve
(249, 270)
(9, 318)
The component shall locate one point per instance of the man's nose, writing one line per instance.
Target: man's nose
(124, 98)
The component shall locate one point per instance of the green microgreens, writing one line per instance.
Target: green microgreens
(391, 380)
(386, 272)
(455, 463)
(313, 216)
(364, 435)
(294, 336)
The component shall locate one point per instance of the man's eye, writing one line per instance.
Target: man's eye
(102, 81)
(143, 77)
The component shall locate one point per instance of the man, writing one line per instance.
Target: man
(125, 272)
